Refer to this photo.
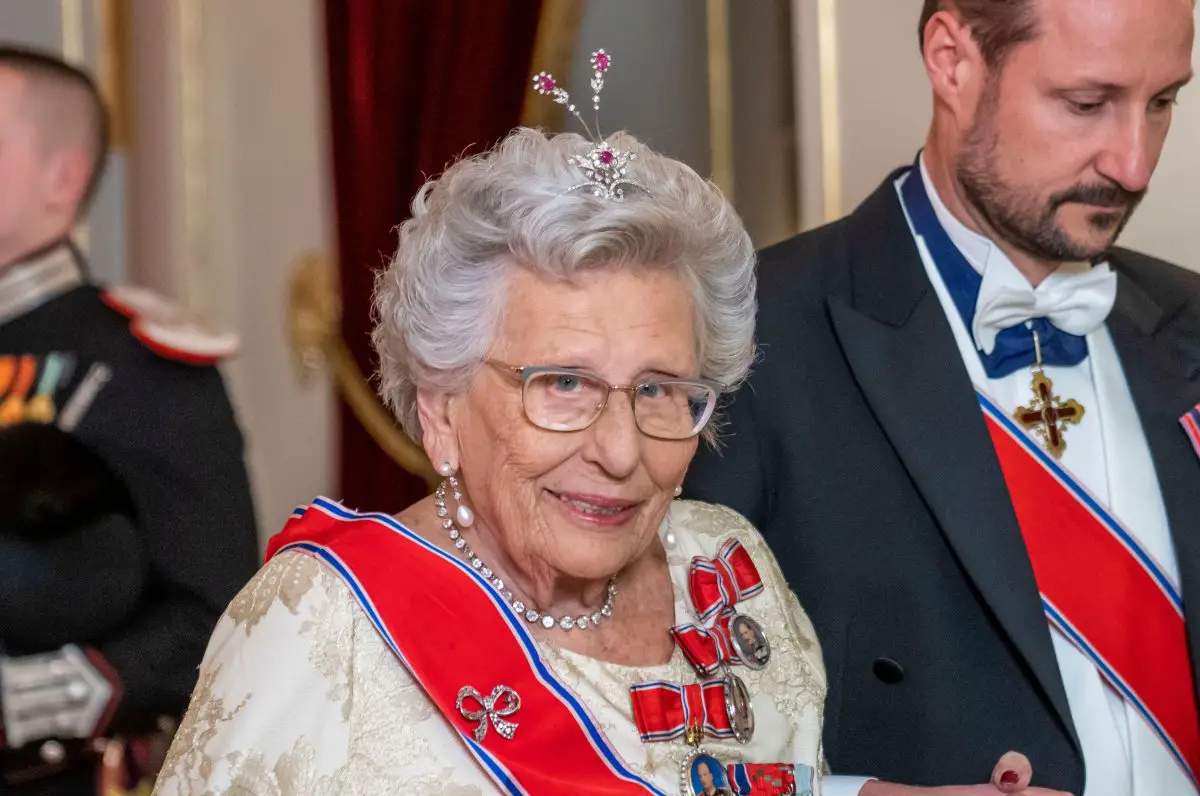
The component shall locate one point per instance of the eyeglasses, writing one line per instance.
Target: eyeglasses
(567, 399)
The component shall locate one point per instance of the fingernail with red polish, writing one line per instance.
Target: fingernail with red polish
(1009, 778)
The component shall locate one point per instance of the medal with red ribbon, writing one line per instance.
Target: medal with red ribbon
(724, 581)
(732, 639)
(707, 649)
(666, 711)
(726, 636)
(716, 707)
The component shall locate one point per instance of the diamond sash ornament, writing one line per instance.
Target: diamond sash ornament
(722, 582)
(1102, 590)
(503, 701)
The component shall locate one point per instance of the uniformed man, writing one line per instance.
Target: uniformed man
(126, 523)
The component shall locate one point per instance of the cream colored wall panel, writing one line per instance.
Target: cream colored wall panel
(233, 185)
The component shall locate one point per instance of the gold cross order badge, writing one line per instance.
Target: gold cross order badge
(1047, 415)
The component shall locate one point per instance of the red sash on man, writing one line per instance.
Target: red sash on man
(1102, 590)
(453, 631)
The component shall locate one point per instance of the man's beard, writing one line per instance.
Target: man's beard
(1020, 217)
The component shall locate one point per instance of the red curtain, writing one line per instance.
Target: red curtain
(413, 85)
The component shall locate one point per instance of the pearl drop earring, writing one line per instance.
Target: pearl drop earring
(446, 469)
(678, 490)
(669, 539)
(464, 515)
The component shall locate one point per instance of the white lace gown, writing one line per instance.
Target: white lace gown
(298, 694)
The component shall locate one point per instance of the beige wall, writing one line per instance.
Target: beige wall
(1168, 222)
(883, 108)
(668, 40)
(231, 183)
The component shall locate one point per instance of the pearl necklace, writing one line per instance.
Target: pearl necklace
(532, 615)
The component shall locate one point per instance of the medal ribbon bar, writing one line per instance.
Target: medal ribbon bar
(664, 711)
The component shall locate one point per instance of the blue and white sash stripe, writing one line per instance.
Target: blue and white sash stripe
(1110, 523)
(1060, 621)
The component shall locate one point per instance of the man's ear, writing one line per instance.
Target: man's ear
(436, 412)
(68, 173)
(954, 63)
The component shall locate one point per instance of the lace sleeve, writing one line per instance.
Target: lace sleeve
(270, 712)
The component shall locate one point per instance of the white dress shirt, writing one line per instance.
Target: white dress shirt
(1108, 454)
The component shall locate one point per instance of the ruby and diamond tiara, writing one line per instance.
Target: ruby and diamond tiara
(605, 167)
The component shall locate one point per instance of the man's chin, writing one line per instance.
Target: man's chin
(1095, 231)
(1086, 242)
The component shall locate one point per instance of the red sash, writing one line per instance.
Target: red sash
(452, 630)
(1102, 590)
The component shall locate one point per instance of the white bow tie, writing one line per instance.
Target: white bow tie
(1077, 302)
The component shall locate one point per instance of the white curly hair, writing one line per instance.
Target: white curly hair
(438, 301)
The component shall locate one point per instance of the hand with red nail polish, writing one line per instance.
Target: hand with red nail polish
(1012, 773)
(1011, 776)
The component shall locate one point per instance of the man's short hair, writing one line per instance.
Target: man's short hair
(997, 26)
(46, 71)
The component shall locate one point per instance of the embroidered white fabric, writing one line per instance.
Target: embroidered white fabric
(298, 694)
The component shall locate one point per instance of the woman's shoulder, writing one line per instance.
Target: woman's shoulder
(287, 582)
(710, 524)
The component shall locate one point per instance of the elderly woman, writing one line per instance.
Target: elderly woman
(559, 352)
(556, 328)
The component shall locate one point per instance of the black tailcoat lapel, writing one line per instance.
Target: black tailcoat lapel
(901, 348)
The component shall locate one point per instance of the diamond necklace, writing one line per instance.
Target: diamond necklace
(532, 615)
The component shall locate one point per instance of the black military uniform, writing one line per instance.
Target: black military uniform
(126, 525)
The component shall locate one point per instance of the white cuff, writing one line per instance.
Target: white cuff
(843, 786)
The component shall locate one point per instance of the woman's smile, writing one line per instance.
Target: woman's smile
(594, 509)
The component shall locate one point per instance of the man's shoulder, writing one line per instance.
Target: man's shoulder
(135, 383)
(104, 330)
(806, 269)
(797, 266)
(1156, 275)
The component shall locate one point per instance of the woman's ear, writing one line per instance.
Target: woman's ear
(435, 411)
